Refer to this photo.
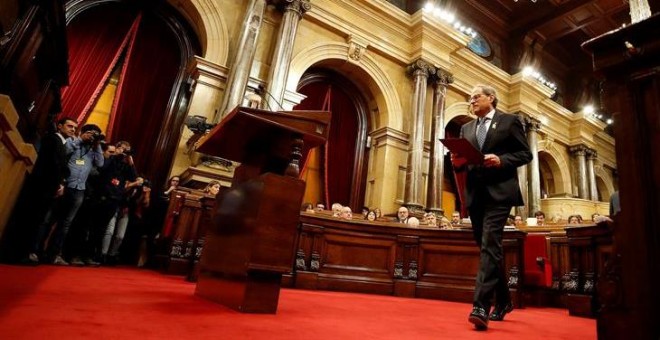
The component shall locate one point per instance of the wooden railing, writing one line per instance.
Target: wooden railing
(394, 259)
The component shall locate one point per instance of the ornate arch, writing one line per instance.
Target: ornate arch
(211, 28)
(558, 165)
(607, 180)
(383, 90)
(457, 109)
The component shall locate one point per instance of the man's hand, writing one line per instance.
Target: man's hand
(492, 161)
(60, 191)
(457, 161)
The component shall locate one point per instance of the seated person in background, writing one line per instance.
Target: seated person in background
(319, 207)
(573, 219)
(444, 223)
(413, 222)
(402, 215)
(540, 218)
(518, 221)
(336, 209)
(371, 216)
(509, 221)
(430, 219)
(365, 211)
(456, 218)
(307, 207)
(595, 216)
(378, 213)
(346, 213)
(213, 188)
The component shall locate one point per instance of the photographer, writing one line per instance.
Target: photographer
(83, 153)
(118, 177)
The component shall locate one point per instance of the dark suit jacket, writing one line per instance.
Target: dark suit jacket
(51, 168)
(505, 138)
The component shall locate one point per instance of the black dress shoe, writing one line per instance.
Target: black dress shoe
(499, 312)
(479, 318)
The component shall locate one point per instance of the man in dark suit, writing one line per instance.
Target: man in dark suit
(491, 191)
(47, 181)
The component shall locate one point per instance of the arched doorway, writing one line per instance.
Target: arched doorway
(147, 46)
(336, 172)
(548, 169)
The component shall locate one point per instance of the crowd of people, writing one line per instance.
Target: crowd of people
(85, 194)
(428, 219)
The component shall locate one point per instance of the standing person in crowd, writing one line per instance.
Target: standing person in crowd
(86, 235)
(44, 186)
(118, 176)
(491, 191)
(83, 153)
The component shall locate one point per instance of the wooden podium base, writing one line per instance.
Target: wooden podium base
(258, 292)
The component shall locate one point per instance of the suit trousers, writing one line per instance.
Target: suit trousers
(488, 220)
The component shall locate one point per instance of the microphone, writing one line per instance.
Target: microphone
(262, 90)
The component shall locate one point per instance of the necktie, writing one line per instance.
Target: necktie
(481, 132)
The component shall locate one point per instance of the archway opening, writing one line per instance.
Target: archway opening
(336, 172)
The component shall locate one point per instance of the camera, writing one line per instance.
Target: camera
(97, 137)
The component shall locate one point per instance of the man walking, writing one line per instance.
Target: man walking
(491, 191)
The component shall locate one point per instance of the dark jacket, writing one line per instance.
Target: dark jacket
(51, 168)
(505, 138)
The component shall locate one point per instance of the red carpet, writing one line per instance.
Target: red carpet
(48, 302)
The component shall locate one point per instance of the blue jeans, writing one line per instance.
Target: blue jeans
(63, 213)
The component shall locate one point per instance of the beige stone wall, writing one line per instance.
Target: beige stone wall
(371, 42)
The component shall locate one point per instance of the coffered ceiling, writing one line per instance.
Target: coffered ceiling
(548, 32)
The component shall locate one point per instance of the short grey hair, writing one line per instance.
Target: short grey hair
(489, 91)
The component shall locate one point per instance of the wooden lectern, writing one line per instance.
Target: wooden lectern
(251, 242)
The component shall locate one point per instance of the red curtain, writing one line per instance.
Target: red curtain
(341, 140)
(94, 43)
(145, 89)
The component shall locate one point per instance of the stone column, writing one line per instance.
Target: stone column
(244, 50)
(280, 63)
(420, 71)
(441, 79)
(591, 174)
(579, 152)
(533, 170)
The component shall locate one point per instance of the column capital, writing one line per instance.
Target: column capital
(442, 77)
(592, 154)
(578, 150)
(300, 7)
(420, 67)
(532, 124)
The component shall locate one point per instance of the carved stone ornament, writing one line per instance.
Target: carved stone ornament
(356, 48)
(513, 277)
(412, 270)
(420, 68)
(398, 270)
(578, 150)
(300, 7)
(443, 77)
(177, 248)
(198, 250)
(300, 260)
(315, 263)
(588, 283)
(189, 249)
